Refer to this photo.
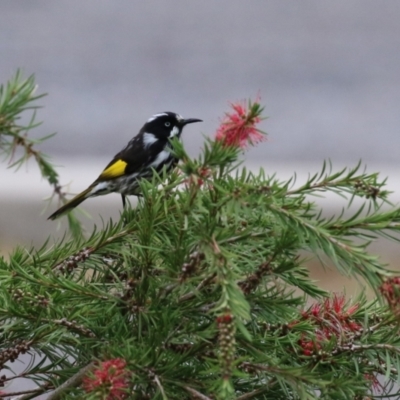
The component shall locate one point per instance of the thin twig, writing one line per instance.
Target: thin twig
(378, 346)
(191, 295)
(234, 239)
(254, 392)
(75, 380)
(383, 368)
(164, 292)
(319, 185)
(156, 380)
(172, 333)
(23, 394)
(197, 394)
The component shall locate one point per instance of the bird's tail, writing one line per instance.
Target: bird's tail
(71, 204)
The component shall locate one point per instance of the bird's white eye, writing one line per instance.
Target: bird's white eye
(167, 124)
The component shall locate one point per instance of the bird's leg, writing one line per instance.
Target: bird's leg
(123, 197)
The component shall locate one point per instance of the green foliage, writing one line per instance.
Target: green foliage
(201, 290)
(16, 99)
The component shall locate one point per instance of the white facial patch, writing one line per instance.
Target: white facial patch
(148, 139)
(161, 158)
(174, 131)
(152, 118)
(179, 117)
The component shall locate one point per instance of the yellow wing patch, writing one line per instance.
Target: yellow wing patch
(114, 170)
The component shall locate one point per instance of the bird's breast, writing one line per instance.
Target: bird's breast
(163, 157)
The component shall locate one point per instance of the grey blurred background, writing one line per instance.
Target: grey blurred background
(328, 74)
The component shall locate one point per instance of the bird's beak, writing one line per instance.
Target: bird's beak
(190, 121)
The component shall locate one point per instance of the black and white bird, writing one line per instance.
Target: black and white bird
(148, 151)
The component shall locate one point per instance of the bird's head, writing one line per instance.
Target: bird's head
(165, 125)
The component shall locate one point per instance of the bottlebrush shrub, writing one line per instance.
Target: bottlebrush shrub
(199, 291)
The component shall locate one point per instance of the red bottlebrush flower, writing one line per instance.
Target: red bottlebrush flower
(315, 310)
(337, 304)
(224, 319)
(110, 377)
(238, 128)
(331, 319)
(390, 289)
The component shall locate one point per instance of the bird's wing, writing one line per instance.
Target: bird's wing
(133, 158)
(114, 169)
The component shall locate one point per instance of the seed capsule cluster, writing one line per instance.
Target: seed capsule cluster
(226, 341)
(33, 300)
(254, 280)
(190, 267)
(366, 189)
(12, 353)
(71, 262)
